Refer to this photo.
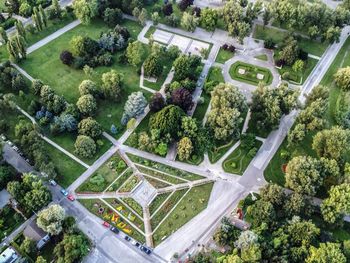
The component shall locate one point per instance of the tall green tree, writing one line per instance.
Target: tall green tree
(85, 10)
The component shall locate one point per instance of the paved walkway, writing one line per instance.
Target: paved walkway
(52, 142)
(53, 36)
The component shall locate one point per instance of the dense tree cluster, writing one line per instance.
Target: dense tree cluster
(276, 234)
(87, 51)
(224, 118)
(30, 193)
(269, 105)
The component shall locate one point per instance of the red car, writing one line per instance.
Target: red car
(71, 197)
(106, 224)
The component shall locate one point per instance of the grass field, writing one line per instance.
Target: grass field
(109, 171)
(68, 170)
(273, 172)
(45, 64)
(309, 46)
(239, 160)
(250, 75)
(262, 57)
(223, 56)
(309, 66)
(194, 202)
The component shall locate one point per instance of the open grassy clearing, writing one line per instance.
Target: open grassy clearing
(68, 170)
(239, 159)
(165, 168)
(250, 74)
(45, 64)
(101, 210)
(105, 175)
(273, 172)
(195, 201)
(223, 56)
(277, 36)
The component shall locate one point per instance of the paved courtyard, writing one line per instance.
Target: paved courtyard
(185, 44)
(144, 193)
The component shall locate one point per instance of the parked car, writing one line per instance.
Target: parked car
(135, 243)
(9, 143)
(71, 197)
(3, 137)
(106, 224)
(146, 250)
(127, 238)
(64, 192)
(15, 148)
(114, 229)
(52, 182)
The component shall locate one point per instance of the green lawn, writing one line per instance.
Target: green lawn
(220, 148)
(66, 141)
(309, 46)
(239, 159)
(223, 56)
(107, 216)
(309, 66)
(159, 175)
(273, 171)
(45, 64)
(262, 57)
(109, 172)
(68, 170)
(195, 201)
(250, 75)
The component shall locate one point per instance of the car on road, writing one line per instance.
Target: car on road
(114, 229)
(52, 182)
(106, 224)
(127, 238)
(135, 243)
(71, 197)
(146, 250)
(9, 143)
(64, 192)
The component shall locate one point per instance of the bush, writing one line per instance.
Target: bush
(172, 20)
(67, 57)
(269, 44)
(105, 60)
(168, 9)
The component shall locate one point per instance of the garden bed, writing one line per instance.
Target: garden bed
(194, 202)
(159, 175)
(96, 205)
(157, 202)
(239, 159)
(249, 73)
(129, 184)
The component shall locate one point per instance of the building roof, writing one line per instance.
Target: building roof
(33, 232)
(8, 256)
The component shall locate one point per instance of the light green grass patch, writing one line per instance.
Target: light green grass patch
(250, 74)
